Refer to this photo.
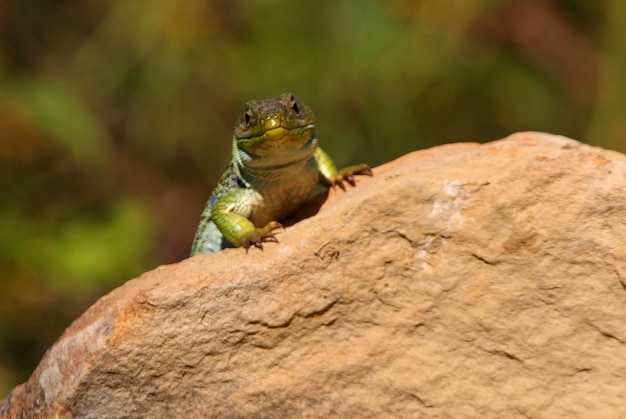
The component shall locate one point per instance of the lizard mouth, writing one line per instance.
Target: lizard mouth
(282, 135)
(279, 142)
(276, 133)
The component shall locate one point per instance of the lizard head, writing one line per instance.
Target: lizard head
(276, 128)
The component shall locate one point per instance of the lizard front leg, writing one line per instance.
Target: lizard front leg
(329, 174)
(237, 228)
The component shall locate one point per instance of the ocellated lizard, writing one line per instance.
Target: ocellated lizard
(276, 163)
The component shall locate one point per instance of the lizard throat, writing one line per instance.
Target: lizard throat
(279, 167)
(283, 164)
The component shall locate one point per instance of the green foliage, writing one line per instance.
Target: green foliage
(116, 116)
(57, 112)
(89, 250)
(80, 251)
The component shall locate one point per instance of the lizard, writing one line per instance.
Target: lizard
(276, 162)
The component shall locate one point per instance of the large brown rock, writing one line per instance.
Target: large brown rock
(463, 281)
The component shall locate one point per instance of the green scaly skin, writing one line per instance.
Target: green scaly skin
(276, 164)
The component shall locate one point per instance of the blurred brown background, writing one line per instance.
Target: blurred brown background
(116, 115)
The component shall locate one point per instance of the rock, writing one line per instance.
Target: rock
(462, 281)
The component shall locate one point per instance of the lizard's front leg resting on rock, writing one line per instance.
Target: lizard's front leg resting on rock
(331, 176)
(240, 231)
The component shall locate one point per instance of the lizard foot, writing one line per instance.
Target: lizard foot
(260, 235)
(347, 174)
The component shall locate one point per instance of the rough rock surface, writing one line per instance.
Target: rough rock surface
(462, 281)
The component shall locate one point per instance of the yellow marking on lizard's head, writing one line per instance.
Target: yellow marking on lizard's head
(275, 133)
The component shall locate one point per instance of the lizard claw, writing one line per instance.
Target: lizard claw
(348, 174)
(265, 234)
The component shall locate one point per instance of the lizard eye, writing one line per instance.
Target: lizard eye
(294, 106)
(249, 116)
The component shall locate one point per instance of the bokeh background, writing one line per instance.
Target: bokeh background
(116, 116)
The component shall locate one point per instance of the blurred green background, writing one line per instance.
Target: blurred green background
(116, 115)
